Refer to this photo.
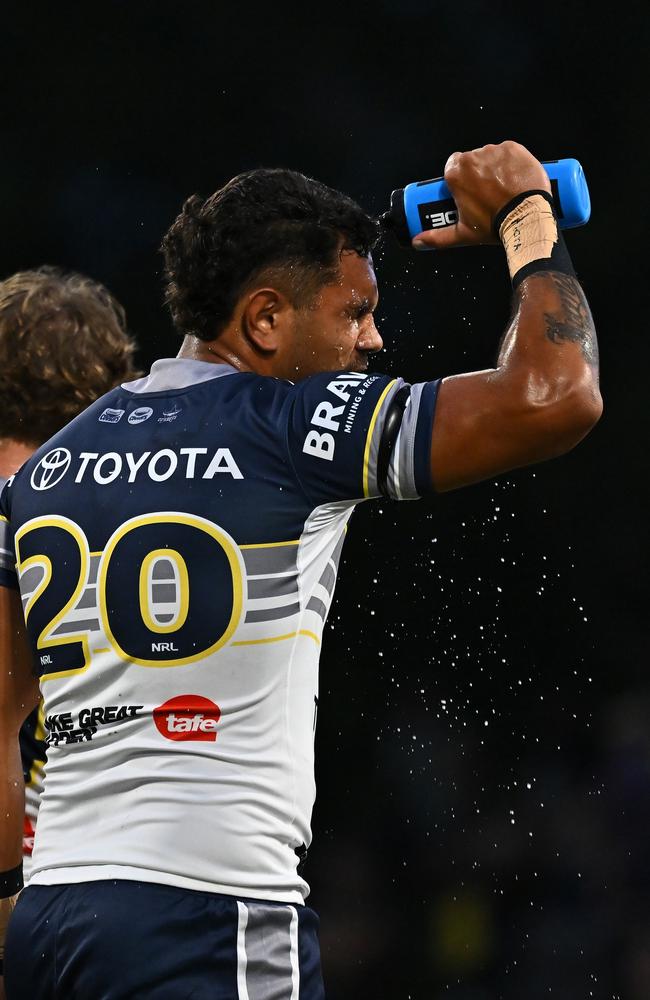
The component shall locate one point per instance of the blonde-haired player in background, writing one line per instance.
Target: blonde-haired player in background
(63, 343)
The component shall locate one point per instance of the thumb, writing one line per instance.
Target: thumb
(438, 239)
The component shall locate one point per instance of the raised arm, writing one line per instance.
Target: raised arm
(542, 397)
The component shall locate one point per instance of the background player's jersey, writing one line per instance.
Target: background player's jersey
(32, 753)
(176, 548)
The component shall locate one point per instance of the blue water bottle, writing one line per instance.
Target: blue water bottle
(429, 204)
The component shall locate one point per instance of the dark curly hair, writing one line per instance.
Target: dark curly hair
(266, 221)
(63, 343)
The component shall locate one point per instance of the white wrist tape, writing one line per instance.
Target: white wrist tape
(528, 233)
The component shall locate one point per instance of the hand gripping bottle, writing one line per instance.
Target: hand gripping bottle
(429, 204)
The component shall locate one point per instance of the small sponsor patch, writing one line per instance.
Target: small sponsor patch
(109, 416)
(140, 415)
(170, 414)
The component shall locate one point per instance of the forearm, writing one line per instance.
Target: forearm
(540, 400)
(549, 353)
(542, 397)
(551, 342)
(12, 802)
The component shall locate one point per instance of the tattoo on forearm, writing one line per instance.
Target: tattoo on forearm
(574, 322)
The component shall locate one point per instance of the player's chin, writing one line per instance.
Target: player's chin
(359, 363)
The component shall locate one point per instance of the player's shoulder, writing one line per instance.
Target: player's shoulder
(201, 387)
(341, 390)
(54, 453)
(340, 380)
(339, 387)
(79, 425)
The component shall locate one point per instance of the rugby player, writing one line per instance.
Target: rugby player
(175, 551)
(63, 343)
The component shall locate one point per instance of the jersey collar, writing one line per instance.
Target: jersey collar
(178, 373)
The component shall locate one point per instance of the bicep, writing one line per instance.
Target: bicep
(486, 424)
(19, 689)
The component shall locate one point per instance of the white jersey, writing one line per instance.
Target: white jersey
(176, 549)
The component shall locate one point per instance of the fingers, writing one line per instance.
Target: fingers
(481, 181)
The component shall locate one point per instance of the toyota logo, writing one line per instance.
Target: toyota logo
(51, 469)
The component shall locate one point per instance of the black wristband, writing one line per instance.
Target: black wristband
(507, 208)
(11, 882)
(559, 259)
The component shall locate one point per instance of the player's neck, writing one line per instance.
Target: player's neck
(213, 352)
(13, 454)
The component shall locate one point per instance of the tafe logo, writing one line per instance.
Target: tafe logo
(188, 717)
(51, 469)
(140, 415)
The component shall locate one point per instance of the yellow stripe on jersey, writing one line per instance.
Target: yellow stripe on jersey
(278, 638)
(39, 732)
(269, 545)
(36, 770)
(366, 456)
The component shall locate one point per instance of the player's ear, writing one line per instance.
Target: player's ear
(266, 314)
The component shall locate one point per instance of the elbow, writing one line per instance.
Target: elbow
(591, 409)
(571, 418)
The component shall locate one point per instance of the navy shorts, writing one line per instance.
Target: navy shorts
(127, 940)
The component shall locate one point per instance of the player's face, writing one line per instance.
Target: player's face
(337, 332)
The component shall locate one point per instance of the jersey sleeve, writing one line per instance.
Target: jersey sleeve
(354, 435)
(8, 576)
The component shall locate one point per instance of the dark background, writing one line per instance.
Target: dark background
(483, 751)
